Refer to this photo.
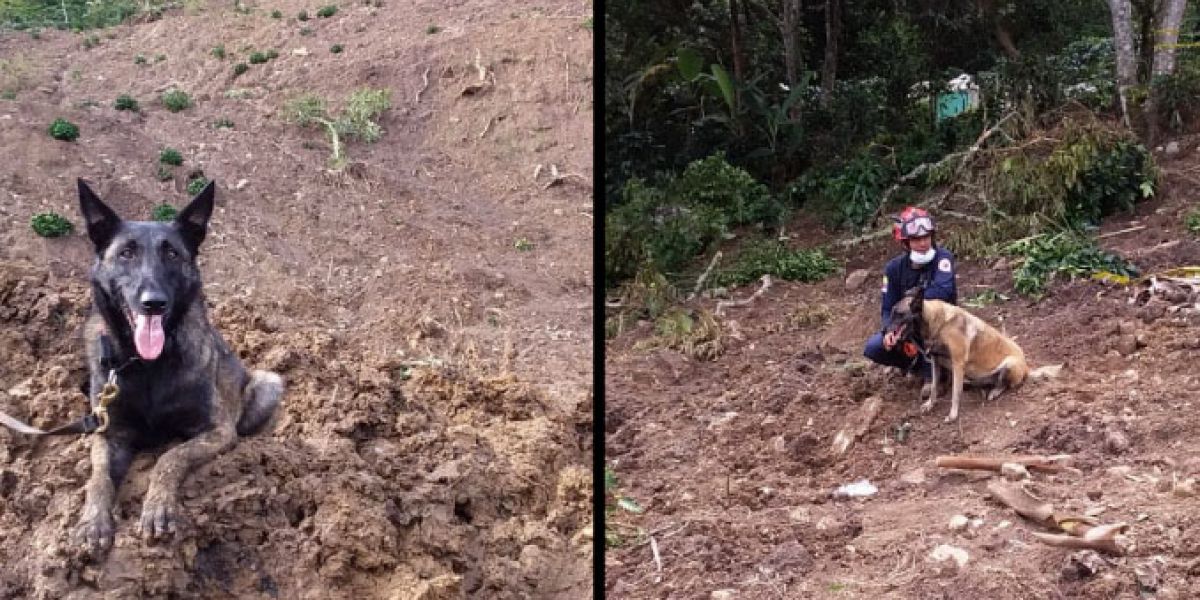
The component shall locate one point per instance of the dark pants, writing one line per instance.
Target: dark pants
(895, 357)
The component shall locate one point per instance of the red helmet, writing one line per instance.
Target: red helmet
(912, 222)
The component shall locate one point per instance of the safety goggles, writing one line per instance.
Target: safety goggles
(917, 227)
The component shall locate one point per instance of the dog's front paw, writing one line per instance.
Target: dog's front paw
(160, 517)
(94, 533)
(952, 417)
(927, 406)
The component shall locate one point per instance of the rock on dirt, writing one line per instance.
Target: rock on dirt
(914, 477)
(958, 522)
(1082, 565)
(857, 278)
(946, 552)
(723, 594)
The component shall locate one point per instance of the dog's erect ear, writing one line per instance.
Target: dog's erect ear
(192, 222)
(102, 223)
(918, 300)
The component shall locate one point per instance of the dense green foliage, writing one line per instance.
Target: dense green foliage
(62, 129)
(50, 225)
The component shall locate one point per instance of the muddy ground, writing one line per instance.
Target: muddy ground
(430, 307)
(731, 459)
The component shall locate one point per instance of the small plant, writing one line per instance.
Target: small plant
(1069, 253)
(89, 103)
(222, 123)
(770, 257)
(196, 185)
(176, 100)
(240, 68)
(126, 102)
(336, 48)
(1192, 221)
(164, 173)
(238, 93)
(276, 14)
(160, 57)
(163, 212)
(327, 11)
(432, 29)
(50, 225)
(306, 31)
(9, 94)
(170, 156)
(272, 54)
(355, 121)
(523, 244)
(258, 58)
(62, 129)
(139, 59)
(91, 41)
(615, 503)
(587, 23)
(218, 52)
(985, 298)
(303, 16)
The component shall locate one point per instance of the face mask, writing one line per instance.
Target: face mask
(922, 258)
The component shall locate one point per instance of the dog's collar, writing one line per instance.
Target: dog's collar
(108, 357)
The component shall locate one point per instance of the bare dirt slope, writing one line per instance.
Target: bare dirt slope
(429, 308)
(730, 459)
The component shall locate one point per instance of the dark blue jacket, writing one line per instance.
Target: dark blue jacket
(899, 276)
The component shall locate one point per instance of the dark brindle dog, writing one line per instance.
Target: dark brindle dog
(177, 378)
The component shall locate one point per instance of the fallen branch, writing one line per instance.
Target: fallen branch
(1102, 538)
(962, 166)
(1123, 231)
(1155, 248)
(865, 237)
(966, 156)
(866, 415)
(1020, 500)
(723, 304)
(703, 276)
(657, 559)
(424, 86)
(1047, 464)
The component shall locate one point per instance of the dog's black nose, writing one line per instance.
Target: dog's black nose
(154, 303)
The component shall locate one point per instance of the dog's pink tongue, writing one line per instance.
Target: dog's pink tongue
(148, 336)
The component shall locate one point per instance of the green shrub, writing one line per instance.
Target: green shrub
(126, 102)
(62, 129)
(163, 212)
(650, 230)
(846, 195)
(729, 189)
(327, 11)
(306, 31)
(1192, 221)
(176, 100)
(336, 48)
(50, 225)
(303, 16)
(432, 29)
(1069, 253)
(240, 68)
(223, 123)
(272, 54)
(139, 59)
(170, 156)
(771, 257)
(218, 51)
(196, 185)
(257, 58)
(275, 14)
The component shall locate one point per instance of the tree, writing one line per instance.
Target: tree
(1165, 43)
(833, 32)
(1122, 16)
(1003, 37)
(789, 30)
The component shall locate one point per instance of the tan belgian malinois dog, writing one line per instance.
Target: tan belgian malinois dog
(955, 339)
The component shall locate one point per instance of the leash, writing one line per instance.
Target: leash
(93, 422)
